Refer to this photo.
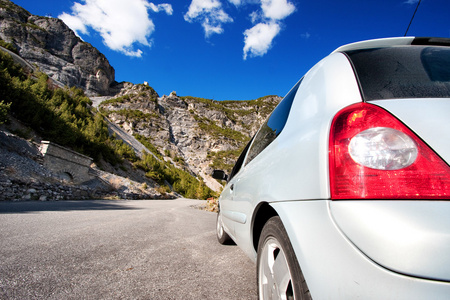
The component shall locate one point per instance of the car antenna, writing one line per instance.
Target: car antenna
(412, 17)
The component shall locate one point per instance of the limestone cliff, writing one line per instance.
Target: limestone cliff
(54, 48)
(196, 134)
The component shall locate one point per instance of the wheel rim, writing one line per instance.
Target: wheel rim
(274, 276)
(219, 226)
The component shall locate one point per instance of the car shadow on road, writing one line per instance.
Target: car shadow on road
(8, 207)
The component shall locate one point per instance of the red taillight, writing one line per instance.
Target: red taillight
(375, 156)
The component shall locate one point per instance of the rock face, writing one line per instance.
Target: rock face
(55, 49)
(195, 134)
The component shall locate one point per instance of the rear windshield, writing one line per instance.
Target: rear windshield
(402, 72)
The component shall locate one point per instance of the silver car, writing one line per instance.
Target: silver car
(344, 191)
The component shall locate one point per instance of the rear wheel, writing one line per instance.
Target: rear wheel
(278, 272)
(222, 236)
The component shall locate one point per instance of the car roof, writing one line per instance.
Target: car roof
(395, 41)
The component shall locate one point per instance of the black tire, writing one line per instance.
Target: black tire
(222, 236)
(275, 249)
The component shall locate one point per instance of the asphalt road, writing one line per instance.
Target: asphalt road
(156, 249)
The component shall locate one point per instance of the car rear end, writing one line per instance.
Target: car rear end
(379, 225)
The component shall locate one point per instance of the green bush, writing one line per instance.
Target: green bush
(8, 46)
(4, 109)
(148, 144)
(181, 181)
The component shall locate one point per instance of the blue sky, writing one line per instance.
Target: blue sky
(233, 49)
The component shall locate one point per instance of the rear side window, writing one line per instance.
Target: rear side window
(273, 126)
(240, 161)
(402, 72)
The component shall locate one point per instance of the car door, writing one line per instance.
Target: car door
(244, 180)
(227, 205)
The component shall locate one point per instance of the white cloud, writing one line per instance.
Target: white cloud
(243, 2)
(164, 6)
(210, 14)
(258, 39)
(277, 9)
(267, 21)
(121, 24)
(255, 16)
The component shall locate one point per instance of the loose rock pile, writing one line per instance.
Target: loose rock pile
(17, 190)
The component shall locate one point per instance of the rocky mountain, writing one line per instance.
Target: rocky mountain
(194, 134)
(55, 49)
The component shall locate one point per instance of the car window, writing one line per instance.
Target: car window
(273, 126)
(402, 72)
(239, 161)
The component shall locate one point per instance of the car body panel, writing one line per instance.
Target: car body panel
(376, 43)
(225, 203)
(409, 237)
(334, 268)
(428, 118)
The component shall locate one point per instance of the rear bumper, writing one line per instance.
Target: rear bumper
(331, 251)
